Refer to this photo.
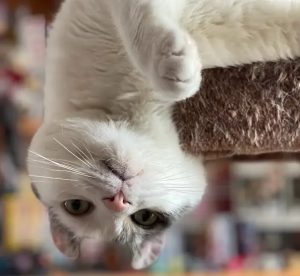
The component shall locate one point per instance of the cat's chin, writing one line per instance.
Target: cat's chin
(112, 147)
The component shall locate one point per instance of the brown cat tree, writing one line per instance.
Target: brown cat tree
(245, 110)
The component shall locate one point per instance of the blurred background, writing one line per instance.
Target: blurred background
(249, 219)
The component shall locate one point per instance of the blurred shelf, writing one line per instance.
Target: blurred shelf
(272, 221)
(259, 169)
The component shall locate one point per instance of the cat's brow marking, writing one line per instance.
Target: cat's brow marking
(59, 225)
(178, 213)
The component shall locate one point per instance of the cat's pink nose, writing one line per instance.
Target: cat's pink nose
(117, 203)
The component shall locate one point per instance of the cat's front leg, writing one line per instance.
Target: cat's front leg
(159, 47)
(175, 68)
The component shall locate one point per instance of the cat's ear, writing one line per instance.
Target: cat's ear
(64, 239)
(147, 252)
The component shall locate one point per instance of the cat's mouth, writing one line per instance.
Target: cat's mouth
(121, 171)
(117, 169)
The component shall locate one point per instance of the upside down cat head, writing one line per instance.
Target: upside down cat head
(110, 182)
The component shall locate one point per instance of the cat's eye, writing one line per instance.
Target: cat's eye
(77, 207)
(146, 218)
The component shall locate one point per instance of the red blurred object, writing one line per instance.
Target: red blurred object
(9, 80)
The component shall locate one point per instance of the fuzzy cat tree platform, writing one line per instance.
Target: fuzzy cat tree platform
(244, 110)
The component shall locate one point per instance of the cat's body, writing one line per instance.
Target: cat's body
(114, 70)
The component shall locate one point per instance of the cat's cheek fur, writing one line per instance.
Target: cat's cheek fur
(64, 239)
(148, 252)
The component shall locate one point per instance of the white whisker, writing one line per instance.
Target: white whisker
(62, 145)
(67, 168)
(61, 165)
(90, 154)
(84, 156)
(54, 178)
(61, 170)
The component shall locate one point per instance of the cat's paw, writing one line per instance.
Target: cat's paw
(177, 66)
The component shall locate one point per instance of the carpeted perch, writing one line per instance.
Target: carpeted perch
(243, 110)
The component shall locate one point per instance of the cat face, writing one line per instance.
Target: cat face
(108, 182)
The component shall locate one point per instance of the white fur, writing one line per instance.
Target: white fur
(114, 69)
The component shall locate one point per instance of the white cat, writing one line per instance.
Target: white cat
(107, 161)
